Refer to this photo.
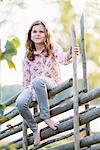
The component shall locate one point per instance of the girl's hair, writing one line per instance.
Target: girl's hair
(30, 46)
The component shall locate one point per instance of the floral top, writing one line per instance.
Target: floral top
(44, 66)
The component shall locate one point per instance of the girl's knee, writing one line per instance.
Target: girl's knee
(38, 82)
(20, 104)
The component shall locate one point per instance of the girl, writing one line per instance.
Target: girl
(40, 73)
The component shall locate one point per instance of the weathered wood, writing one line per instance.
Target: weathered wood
(25, 136)
(63, 126)
(84, 65)
(83, 53)
(9, 116)
(59, 98)
(87, 141)
(75, 92)
(57, 139)
(96, 147)
(83, 98)
(64, 85)
(11, 100)
(17, 128)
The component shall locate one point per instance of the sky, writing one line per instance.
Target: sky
(19, 21)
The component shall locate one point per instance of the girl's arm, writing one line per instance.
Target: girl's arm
(62, 57)
(65, 58)
(26, 73)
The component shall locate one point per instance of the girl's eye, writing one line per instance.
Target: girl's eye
(41, 31)
(34, 31)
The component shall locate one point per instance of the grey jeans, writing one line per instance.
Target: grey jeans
(40, 85)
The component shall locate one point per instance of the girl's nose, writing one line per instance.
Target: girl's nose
(38, 34)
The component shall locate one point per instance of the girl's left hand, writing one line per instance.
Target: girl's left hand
(76, 49)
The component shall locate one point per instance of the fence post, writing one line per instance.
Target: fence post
(75, 92)
(25, 138)
(83, 52)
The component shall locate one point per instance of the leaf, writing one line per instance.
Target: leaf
(16, 42)
(3, 119)
(1, 55)
(10, 51)
(9, 54)
(9, 46)
(11, 64)
(2, 108)
(12, 44)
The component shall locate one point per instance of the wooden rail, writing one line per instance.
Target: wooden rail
(65, 125)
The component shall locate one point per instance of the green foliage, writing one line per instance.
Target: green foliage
(94, 80)
(93, 46)
(12, 147)
(67, 16)
(92, 42)
(2, 108)
(10, 51)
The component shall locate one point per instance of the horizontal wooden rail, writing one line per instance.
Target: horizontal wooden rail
(58, 139)
(63, 126)
(87, 141)
(83, 98)
(61, 87)
(96, 147)
(61, 97)
(95, 93)
(11, 100)
(64, 85)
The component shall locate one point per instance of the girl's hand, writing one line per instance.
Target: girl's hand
(76, 49)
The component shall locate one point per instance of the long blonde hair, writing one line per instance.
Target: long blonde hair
(30, 46)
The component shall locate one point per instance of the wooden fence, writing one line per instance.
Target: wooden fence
(63, 98)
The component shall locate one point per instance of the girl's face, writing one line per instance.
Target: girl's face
(38, 34)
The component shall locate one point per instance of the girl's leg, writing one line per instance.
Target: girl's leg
(41, 85)
(22, 103)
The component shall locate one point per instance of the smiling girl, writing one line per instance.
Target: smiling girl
(41, 72)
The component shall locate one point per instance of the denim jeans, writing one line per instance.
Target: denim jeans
(40, 86)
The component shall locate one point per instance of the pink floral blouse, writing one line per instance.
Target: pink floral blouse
(44, 66)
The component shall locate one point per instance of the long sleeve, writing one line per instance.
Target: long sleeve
(62, 56)
(26, 73)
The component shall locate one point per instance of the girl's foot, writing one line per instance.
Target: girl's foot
(37, 137)
(51, 124)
